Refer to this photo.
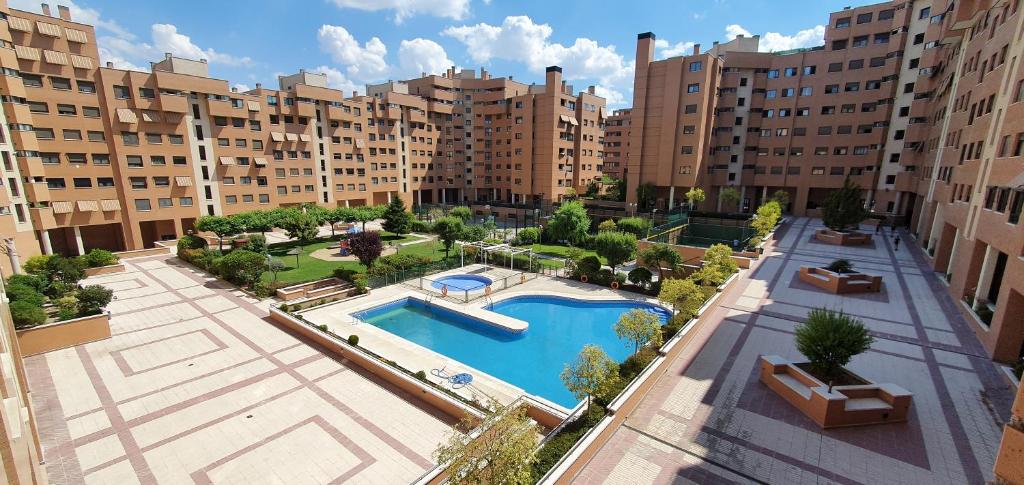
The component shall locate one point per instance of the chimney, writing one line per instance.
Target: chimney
(423, 74)
(167, 55)
(46, 9)
(64, 12)
(553, 79)
(110, 65)
(355, 93)
(696, 49)
(591, 89)
(259, 85)
(644, 50)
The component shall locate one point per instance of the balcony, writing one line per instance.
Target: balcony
(36, 191)
(224, 108)
(305, 109)
(42, 217)
(906, 181)
(173, 103)
(31, 166)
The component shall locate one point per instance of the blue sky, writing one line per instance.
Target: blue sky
(364, 41)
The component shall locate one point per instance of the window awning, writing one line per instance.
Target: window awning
(183, 181)
(127, 116)
(62, 207)
(26, 53)
(88, 206)
(150, 116)
(601, 113)
(48, 29)
(275, 136)
(568, 119)
(109, 205)
(81, 62)
(77, 36)
(54, 57)
(253, 105)
(18, 23)
(259, 161)
(291, 137)
(360, 143)
(172, 117)
(306, 138)
(227, 161)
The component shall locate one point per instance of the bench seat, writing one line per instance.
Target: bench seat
(794, 384)
(866, 403)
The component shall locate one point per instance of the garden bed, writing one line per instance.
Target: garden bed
(842, 238)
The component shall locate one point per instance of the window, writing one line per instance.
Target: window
(100, 159)
(860, 41)
(161, 181)
(696, 66)
(176, 139)
(882, 38)
(185, 201)
(87, 87)
(690, 109)
(55, 183)
(880, 61)
(810, 70)
(924, 13)
(147, 93)
(122, 92)
(154, 138)
(158, 160)
(73, 135)
(165, 202)
(130, 138)
(790, 71)
(851, 87)
(264, 198)
(61, 83)
(886, 14)
(864, 18)
(90, 112)
(693, 88)
(843, 23)
(773, 74)
(104, 181)
(66, 109)
(817, 170)
(138, 183)
(831, 89)
(32, 80)
(38, 107)
(838, 45)
(806, 91)
(856, 64)
(836, 171)
(134, 161)
(143, 205)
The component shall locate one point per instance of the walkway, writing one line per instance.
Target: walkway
(195, 386)
(709, 419)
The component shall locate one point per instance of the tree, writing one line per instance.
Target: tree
(639, 327)
(661, 256)
(396, 219)
(319, 214)
(527, 236)
(36, 265)
(695, 196)
(259, 221)
(767, 217)
(301, 227)
(640, 276)
(501, 454)
(685, 296)
(592, 189)
(607, 225)
(275, 266)
(257, 243)
(782, 197)
(96, 258)
(720, 256)
(92, 299)
(570, 222)
(615, 247)
(367, 246)
(221, 226)
(591, 374)
(449, 229)
(730, 197)
(336, 215)
(829, 339)
(462, 212)
(638, 226)
(242, 267)
(645, 196)
(843, 208)
(364, 215)
(63, 270)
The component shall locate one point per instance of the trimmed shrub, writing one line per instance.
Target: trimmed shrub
(588, 266)
(26, 314)
(421, 226)
(257, 244)
(67, 307)
(36, 265)
(65, 270)
(840, 266)
(604, 277)
(190, 241)
(92, 299)
(19, 292)
(241, 267)
(638, 226)
(35, 282)
(353, 340)
(345, 274)
(635, 364)
(527, 236)
(96, 258)
(559, 445)
(462, 212)
(421, 375)
(640, 276)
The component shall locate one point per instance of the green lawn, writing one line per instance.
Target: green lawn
(561, 251)
(310, 268)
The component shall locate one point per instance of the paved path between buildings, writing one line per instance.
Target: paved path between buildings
(196, 386)
(709, 419)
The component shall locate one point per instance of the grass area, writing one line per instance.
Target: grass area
(310, 268)
(561, 251)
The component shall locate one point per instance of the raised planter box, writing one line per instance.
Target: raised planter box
(852, 238)
(312, 289)
(840, 283)
(143, 253)
(113, 268)
(854, 405)
(60, 335)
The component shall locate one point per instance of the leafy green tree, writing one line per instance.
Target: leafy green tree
(301, 227)
(767, 217)
(640, 327)
(661, 256)
(462, 212)
(782, 197)
(36, 265)
(92, 299)
(449, 229)
(257, 243)
(640, 276)
(695, 196)
(396, 219)
(36, 282)
(843, 208)
(275, 266)
(221, 226)
(720, 256)
(592, 374)
(258, 221)
(570, 222)
(365, 214)
(685, 296)
(502, 453)
(335, 215)
(638, 226)
(242, 267)
(527, 236)
(730, 197)
(607, 225)
(615, 247)
(319, 214)
(367, 246)
(592, 189)
(67, 271)
(829, 339)
(96, 258)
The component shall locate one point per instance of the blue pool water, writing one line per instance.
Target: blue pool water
(532, 360)
(468, 282)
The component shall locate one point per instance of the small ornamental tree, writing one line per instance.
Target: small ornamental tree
(367, 246)
(640, 327)
(570, 222)
(829, 339)
(730, 197)
(503, 453)
(92, 299)
(449, 229)
(301, 227)
(275, 266)
(591, 374)
(607, 225)
(242, 267)
(685, 296)
(843, 208)
(396, 219)
(364, 215)
(67, 271)
(638, 226)
(615, 247)
(782, 197)
(720, 256)
(695, 196)
(334, 216)
(221, 226)
(661, 256)
(767, 217)
(640, 276)
(841, 266)
(528, 236)
(462, 212)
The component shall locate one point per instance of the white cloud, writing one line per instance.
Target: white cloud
(362, 62)
(337, 80)
(166, 38)
(774, 41)
(420, 55)
(664, 50)
(613, 98)
(520, 39)
(241, 87)
(403, 9)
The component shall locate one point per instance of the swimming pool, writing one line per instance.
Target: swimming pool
(531, 360)
(461, 282)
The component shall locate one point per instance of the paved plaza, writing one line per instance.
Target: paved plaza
(195, 386)
(710, 420)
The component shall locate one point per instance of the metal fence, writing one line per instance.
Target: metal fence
(426, 284)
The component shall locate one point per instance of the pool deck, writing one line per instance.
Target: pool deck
(412, 356)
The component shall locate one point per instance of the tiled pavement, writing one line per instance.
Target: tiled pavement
(196, 387)
(709, 419)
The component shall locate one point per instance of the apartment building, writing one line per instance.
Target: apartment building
(616, 142)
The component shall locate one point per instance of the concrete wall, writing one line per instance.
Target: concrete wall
(60, 335)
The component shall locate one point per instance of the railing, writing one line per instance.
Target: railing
(426, 285)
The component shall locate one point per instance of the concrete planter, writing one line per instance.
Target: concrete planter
(113, 268)
(313, 289)
(853, 405)
(59, 335)
(840, 283)
(851, 238)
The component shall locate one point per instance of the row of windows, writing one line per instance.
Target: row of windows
(145, 205)
(860, 41)
(864, 18)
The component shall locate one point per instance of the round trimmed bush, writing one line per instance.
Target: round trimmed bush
(19, 292)
(26, 314)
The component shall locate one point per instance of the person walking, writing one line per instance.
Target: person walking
(896, 243)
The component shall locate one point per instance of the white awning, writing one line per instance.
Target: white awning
(227, 161)
(253, 105)
(275, 136)
(77, 36)
(54, 57)
(48, 29)
(18, 23)
(62, 207)
(259, 161)
(88, 206)
(127, 116)
(183, 181)
(109, 205)
(81, 62)
(26, 53)
(306, 138)
(150, 116)
(360, 143)
(291, 137)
